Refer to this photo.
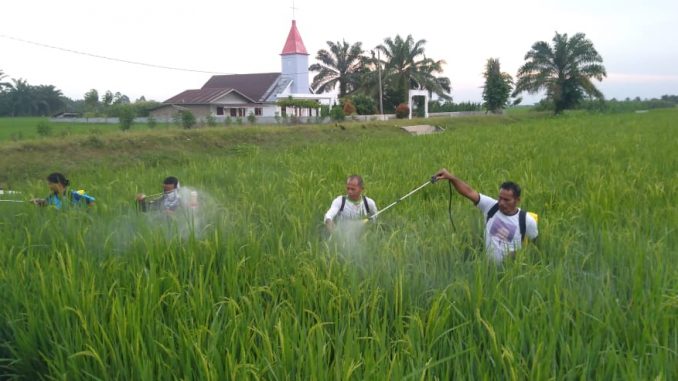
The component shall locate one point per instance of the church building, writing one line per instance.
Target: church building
(238, 95)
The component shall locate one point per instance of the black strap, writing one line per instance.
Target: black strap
(492, 212)
(522, 218)
(343, 202)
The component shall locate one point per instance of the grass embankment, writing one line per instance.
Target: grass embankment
(255, 292)
(173, 145)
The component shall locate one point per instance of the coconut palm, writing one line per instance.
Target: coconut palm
(4, 84)
(406, 67)
(564, 70)
(342, 65)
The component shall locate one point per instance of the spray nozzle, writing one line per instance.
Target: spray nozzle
(434, 178)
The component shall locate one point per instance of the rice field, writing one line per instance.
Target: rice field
(248, 286)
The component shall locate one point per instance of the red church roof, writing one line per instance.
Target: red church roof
(294, 44)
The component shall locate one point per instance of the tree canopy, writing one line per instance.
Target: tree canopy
(564, 69)
(498, 85)
(342, 65)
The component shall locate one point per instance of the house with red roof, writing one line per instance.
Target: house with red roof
(239, 95)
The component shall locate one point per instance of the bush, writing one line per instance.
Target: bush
(402, 111)
(187, 119)
(348, 107)
(325, 111)
(228, 121)
(210, 120)
(151, 122)
(44, 129)
(251, 118)
(364, 105)
(277, 117)
(126, 116)
(238, 121)
(337, 114)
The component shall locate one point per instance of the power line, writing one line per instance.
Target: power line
(111, 58)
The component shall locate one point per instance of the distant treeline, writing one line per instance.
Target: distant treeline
(617, 106)
(19, 98)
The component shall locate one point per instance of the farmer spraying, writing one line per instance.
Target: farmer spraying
(506, 225)
(167, 201)
(60, 196)
(353, 206)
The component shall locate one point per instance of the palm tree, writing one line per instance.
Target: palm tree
(406, 67)
(564, 70)
(4, 84)
(343, 64)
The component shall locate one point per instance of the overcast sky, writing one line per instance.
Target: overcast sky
(638, 40)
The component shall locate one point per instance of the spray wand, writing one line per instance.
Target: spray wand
(431, 181)
(422, 186)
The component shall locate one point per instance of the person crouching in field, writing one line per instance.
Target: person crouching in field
(168, 200)
(60, 196)
(506, 225)
(352, 206)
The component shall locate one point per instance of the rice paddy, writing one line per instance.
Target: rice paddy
(249, 286)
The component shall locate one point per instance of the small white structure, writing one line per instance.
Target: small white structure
(422, 129)
(418, 93)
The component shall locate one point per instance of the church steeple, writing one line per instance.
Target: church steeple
(294, 43)
(294, 59)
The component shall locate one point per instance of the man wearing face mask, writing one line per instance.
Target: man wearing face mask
(167, 201)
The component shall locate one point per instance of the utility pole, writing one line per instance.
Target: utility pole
(381, 96)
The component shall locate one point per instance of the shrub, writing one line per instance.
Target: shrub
(364, 105)
(337, 114)
(151, 122)
(187, 119)
(251, 118)
(277, 117)
(238, 121)
(402, 111)
(44, 129)
(126, 116)
(210, 120)
(325, 111)
(228, 121)
(348, 107)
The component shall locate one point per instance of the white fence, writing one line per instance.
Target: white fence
(221, 120)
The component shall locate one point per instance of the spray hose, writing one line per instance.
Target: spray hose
(431, 181)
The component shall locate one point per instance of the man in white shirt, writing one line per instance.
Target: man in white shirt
(352, 206)
(167, 201)
(506, 226)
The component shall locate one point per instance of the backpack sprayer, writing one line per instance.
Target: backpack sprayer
(422, 186)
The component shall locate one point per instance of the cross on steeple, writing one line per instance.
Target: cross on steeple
(293, 9)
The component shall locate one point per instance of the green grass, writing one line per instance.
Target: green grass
(254, 291)
(26, 128)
